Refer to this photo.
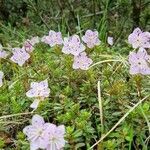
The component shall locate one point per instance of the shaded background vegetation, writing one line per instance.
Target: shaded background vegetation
(117, 17)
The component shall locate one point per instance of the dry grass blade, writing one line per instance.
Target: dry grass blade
(14, 115)
(122, 119)
(100, 105)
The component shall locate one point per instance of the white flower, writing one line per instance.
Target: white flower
(39, 91)
(73, 45)
(56, 137)
(37, 133)
(91, 38)
(54, 38)
(20, 56)
(82, 61)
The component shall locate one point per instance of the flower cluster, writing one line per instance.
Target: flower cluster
(70, 45)
(39, 91)
(20, 55)
(43, 135)
(73, 45)
(139, 61)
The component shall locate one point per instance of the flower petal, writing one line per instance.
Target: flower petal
(37, 120)
(35, 104)
(61, 130)
(34, 146)
(32, 93)
(28, 130)
(134, 70)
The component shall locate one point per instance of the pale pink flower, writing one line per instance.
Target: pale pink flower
(110, 40)
(37, 133)
(29, 44)
(3, 54)
(82, 61)
(44, 135)
(73, 45)
(91, 38)
(139, 39)
(39, 91)
(56, 137)
(54, 38)
(1, 78)
(139, 62)
(20, 56)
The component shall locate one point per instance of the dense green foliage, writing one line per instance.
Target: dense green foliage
(73, 100)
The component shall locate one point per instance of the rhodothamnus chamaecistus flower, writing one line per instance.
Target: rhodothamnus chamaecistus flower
(82, 61)
(37, 133)
(39, 91)
(1, 78)
(139, 62)
(54, 38)
(56, 137)
(73, 45)
(29, 44)
(44, 135)
(91, 38)
(110, 40)
(139, 39)
(20, 56)
(3, 54)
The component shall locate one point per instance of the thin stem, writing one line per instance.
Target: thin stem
(105, 61)
(147, 140)
(120, 121)
(10, 122)
(14, 115)
(100, 106)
